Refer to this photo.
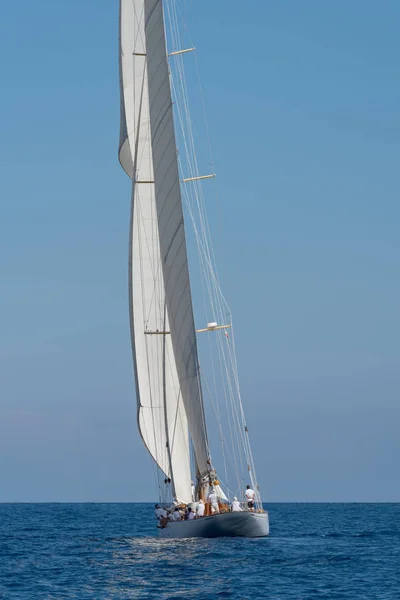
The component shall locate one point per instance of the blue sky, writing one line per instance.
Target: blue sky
(302, 103)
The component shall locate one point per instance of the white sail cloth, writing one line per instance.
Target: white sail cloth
(161, 414)
(171, 229)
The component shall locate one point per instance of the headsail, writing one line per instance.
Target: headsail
(161, 413)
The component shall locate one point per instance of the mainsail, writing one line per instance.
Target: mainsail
(162, 325)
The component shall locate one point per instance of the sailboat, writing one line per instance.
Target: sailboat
(171, 386)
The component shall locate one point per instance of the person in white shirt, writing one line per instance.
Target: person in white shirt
(192, 486)
(236, 505)
(160, 512)
(176, 515)
(200, 508)
(250, 498)
(190, 514)
(213, 500)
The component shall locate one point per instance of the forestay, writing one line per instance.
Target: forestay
(161, 412)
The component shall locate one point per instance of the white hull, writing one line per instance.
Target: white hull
(232, 524)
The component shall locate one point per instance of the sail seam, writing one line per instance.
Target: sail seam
(173, 239)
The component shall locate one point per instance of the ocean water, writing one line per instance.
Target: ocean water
(110, 551)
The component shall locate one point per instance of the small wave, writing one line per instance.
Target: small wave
(334, 559)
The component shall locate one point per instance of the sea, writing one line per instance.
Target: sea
(111, 551)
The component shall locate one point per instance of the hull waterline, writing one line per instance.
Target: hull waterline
(233, 524)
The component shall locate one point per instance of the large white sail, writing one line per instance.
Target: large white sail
(171, 229)
(161, 413)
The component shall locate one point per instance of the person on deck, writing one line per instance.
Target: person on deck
(250, 498)
(200, 508)
(190, 514)
(160, 512)
(236, 505)
(213, 500)
(193, 489)
(176, 515)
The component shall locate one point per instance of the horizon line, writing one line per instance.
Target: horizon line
(153, 501)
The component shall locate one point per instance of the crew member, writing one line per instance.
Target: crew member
(213, 500)
(160, 512)
(193, 489)
(250, 498)
(200, 508)
(236, 505)
(176, 515)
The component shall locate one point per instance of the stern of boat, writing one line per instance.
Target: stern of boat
(232, 524)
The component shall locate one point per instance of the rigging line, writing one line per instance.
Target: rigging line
(202, 207)
(190, 155)
(196, 193)
(231, 429)
(209, 340)
(198, 237)
(225, 395)
(172, 22)
(206, 123)
(208, 135)
(226, 366)
(231, 394)
(202, 285)
(251, 460)
(199, 84)
(186, 193)
(216, 404)
(216, 413)
(200, 245)
(203, 416)
(179, 68)
(232, 356)
(200, 242)
(217, 290)
(211, 277)
(225, 485)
